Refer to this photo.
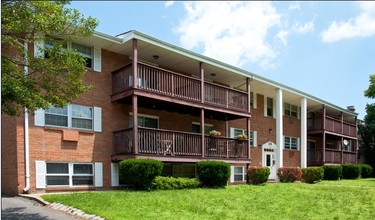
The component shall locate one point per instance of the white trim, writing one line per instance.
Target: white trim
(40, 174)
(303, 132)
(279, 128)
(98, 174)
(97, 119)
(114, 174)
(97, 59)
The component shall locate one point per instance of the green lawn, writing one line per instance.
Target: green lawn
(344, 199)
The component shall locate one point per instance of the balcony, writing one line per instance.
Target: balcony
(332, 125)
(332, 156)
(164, 83)
(169, 144)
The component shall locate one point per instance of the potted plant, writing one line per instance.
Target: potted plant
(241, 137)
(214, 133)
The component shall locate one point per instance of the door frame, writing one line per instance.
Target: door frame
(269, 148)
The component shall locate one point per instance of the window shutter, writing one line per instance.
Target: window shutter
(299, 112)
(298, 144)
(254, 100)
(255, 139)
(98, 119)
(114, 174)
(97, 59)
(39, 117)
(40, 174)
(98, 178)
(38, 46)
(231, 174)
(265, 106)
(232, 132)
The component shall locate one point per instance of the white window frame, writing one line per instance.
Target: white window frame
(288, 144)
(253, 135)
(288, 110)
(243, 174)
(205, 125)
(266, 107)
(145, 116)
(70, 174)
(70, 117)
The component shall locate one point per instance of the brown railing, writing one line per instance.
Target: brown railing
(332, 125)
(332, 156)
(157, 80)
(176, 143)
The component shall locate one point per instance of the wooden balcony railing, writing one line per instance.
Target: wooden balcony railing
(332, 125)
(175, 143)
(332, 156)
(161, 81)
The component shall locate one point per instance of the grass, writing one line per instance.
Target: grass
(344, 199)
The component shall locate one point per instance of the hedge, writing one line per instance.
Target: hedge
(168, 183)
(332, 172)
(140, 173)
(366, 170)
(351, 171)
(258, 175)
(289, 174)
(213, 174)
(312, 174)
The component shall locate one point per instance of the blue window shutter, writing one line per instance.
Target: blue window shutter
(98, 119)
(98, 176)
(40, 174)
(97, 59)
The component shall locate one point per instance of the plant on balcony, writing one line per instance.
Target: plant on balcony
(241, 137)
(258, 175)
(215, 133)
(312, 174)
(289, 174)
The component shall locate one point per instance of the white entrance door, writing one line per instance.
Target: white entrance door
(269, 161)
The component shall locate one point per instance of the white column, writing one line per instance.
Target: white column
(279, 128)
(303, 132)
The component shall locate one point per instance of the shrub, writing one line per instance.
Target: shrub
(332, 172)
(312, 174)
(351, 171)
(366, 170)
(213, 173)
(167, 183)
(139, 173)
(289, 174)
(258, 175)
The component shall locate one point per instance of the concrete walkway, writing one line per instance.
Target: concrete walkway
(23, 208)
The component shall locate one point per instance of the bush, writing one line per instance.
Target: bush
(312, 174)
(167, 183)
(289, 174)
(332, 172)
(366, 170)
(258, 175)
(139, 173)
(213, 173)
(351, 171)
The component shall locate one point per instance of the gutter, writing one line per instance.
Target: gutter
(26, 131)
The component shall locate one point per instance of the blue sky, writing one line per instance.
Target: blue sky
(326, 49)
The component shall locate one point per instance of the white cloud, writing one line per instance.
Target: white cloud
(282, 37)
(294, 6)
(233, 32)
(361, 26)
(304, 28)
(168, 3)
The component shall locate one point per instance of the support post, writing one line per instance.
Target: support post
(342, 150)
(248, 125)
(279, 128)
(303, 132)
(135, 63)
(203, 144)
(135, 124)
(201, 70)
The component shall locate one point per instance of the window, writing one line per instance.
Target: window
(269, 107)
(234, 132)
(291, 143)
(196, 128)
(239, 174)
(145, 121)
(290, 110)
(72, 116)
(69, 174)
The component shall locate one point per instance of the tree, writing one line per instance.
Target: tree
(367, 128)
(55, 80)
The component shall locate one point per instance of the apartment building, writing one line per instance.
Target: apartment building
(186, 107)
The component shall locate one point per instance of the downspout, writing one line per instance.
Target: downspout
(26, 131)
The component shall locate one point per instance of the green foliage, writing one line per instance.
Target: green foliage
(168, 183)
(332, 172)
(140, 173)
(53, 81)
(213, 174)
(289, 174)
(312, 174)
(351, 171)
(366, 170)
(258, 175)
